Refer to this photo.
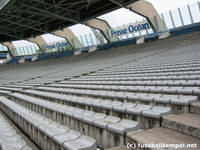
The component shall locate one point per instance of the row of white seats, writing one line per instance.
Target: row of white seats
(152, 71)
(169, 89)
(17, 86)
(12, 89)
(130, 74)
(120, 109)
(149, 68)
(189, 77)
(186, 83)
(181, 101)
(47, 134)
(139, 67)
(105, 129)
(158, 63)
(145, 76)
(146, 89)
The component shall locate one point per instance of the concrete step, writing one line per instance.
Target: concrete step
(16, 132)
(185, 123)
(195, 108)
(155, 138)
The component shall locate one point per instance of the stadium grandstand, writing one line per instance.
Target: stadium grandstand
(136, 87)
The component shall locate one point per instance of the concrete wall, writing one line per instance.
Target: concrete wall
(103, 26)
(147, 10)
(11, 48)
(40, 42)
(67, 34)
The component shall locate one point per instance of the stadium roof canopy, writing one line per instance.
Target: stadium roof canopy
(22, 19)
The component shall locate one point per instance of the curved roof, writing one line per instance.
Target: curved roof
(22, 19)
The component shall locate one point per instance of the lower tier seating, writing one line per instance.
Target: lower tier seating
(45, 132)
(86, 122)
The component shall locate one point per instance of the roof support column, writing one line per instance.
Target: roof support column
(40, 42)
(70, 37)
(147, 10)
(11, 48)
(102, 26)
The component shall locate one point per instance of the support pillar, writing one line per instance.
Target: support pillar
(40, 42)
(99, 36)
(103, 27)
(147, 10)
(70, 37)
(11, 48)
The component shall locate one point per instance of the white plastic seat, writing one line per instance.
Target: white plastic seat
(95, 116)
(68, 136)
(80, 116)
(103, 123)
(106, 104)
(157, 112)
(123, 127)
(81, 143)
(165, 99)
(123, 107)
(138, 109)
(184, 100)
(97, 103)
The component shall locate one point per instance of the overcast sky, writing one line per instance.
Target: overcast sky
(120, 17)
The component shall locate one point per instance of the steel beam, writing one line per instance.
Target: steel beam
(23, 25)
(56, 15)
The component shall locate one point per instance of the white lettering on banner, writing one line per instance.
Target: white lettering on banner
(130, 29)
(57, 45)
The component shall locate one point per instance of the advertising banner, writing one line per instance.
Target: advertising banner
(131, 28)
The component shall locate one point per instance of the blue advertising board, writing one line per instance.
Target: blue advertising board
(130, 29)
(57, 45)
